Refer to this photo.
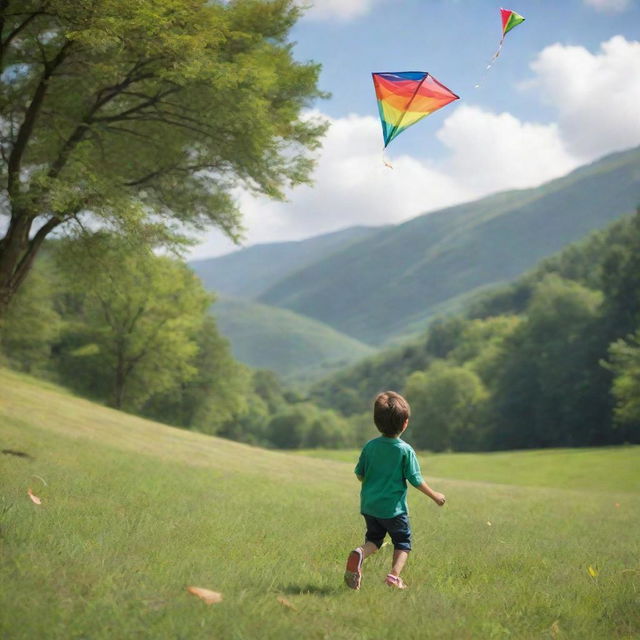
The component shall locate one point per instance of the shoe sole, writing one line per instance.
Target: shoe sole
(353, 574)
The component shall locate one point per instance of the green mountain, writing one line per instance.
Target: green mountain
(297, 348)
(389, 283)
(249, 272)
(602, 261)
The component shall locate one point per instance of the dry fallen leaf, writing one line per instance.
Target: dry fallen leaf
(555, 629)
(33, 497)
(488, 523)
(592, 572)
(210, 597)
(617, 505)
(285, 603)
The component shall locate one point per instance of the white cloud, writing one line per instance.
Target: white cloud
(340, 9)
(609, 6)
(491, 152)
(596, 95)
(488, 152)
(352, 186)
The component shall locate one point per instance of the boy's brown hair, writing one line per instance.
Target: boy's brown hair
(390, 411)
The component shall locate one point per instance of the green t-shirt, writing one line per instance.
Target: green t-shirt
(385, 465)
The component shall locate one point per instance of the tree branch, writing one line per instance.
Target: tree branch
(26, 128)
(6, 41)
(104, 97)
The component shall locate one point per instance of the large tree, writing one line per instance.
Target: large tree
(123, 111)
(138, 319)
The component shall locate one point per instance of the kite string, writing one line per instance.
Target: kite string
(491, 62)
(496, 54)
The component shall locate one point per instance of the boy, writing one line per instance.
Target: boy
(385, 464)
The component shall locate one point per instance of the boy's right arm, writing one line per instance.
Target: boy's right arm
(436, 496)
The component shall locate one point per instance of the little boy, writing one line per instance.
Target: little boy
(385, 464)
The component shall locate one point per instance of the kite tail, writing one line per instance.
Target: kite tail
(491, 62)
(496, 54)
(385, 161)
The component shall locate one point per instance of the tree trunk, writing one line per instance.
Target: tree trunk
(119, 383)
(17, 254)
(12, 251)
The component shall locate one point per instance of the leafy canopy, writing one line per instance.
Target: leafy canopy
(148, 110)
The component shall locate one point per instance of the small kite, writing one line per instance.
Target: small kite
(406, 97)
(510, 19)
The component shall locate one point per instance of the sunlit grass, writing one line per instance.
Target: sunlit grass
(600, 469)
(134, 512)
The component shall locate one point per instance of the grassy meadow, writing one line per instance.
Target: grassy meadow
(529, 545)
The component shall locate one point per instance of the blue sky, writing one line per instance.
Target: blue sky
(564, 91)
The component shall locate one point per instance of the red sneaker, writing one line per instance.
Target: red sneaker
(353, 572)
(395, 581)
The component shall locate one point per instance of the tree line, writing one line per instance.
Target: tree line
(551, 360)
(126, 127)
(114, 321)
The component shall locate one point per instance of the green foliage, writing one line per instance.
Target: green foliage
(536, 347)
(31, 325)
(304, 426)
(446, 401)
(539, 394)
(139, 316)
(352, 391)
(147, 111)
(215, 395)
(625, 363)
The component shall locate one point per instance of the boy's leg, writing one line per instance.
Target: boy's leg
(353, 571)
(399, 559)
(400, 532)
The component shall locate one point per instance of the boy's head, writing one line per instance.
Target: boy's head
(391, 413)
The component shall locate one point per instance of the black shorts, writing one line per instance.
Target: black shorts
(398, 528)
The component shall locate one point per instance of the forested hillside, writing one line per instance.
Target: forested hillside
(392, 282)
(112, 321)
(550, 360)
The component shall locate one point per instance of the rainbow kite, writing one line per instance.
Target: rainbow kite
(406, 97)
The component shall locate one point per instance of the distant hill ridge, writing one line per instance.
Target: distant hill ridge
(298, 348)
(381, 285)
(378, 288)
(249, 272)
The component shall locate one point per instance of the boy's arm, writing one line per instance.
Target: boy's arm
(436, 496)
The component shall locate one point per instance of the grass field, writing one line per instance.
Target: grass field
(134, 512)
